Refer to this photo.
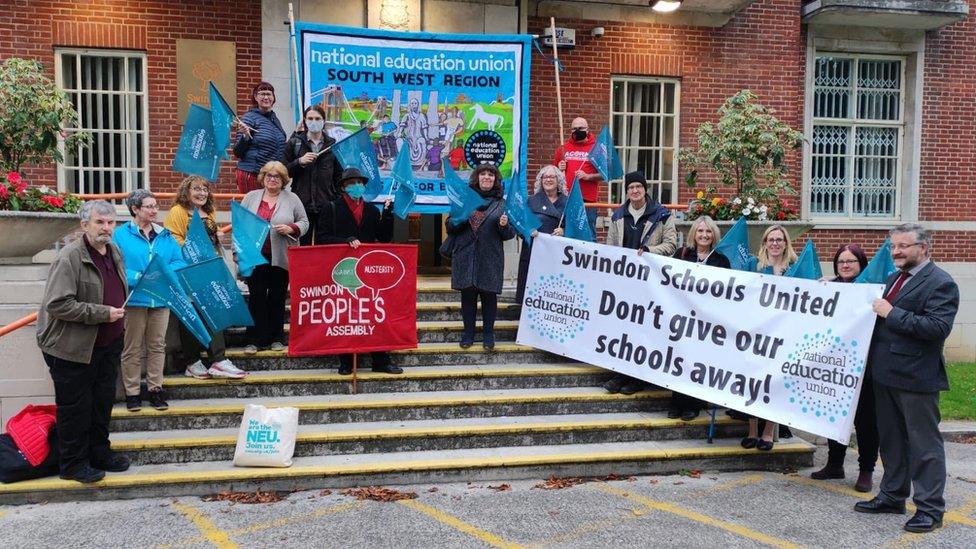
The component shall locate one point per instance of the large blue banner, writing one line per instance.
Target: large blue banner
(215, 293)
(448, 98)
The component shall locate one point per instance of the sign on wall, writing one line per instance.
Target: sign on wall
(198, 62)
(789, 350)
(449, 98)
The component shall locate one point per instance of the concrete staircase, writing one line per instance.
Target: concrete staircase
(454, 415)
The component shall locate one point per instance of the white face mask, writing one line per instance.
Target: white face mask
(315, 126)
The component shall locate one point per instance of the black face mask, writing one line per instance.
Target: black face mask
(579, 135)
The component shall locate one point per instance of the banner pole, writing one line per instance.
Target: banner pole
(355, 366)
(555, 66)
(294, 59)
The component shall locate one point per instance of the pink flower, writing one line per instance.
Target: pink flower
(4, 193)
(13, 177)
(17, 183)
(53, 201)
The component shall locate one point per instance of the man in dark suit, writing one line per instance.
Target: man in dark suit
(915, 316)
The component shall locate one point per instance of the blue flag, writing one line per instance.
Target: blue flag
(577, 225)
(517, 208)
(221, 116)
(604, 157)
(197, 246)
(880, 267)
(735, 246)
(248, 231)
(356, 151)
(405, 194)
(196, 154)
(464, 200)
(159, 282)
(215, 293)
(807, 265)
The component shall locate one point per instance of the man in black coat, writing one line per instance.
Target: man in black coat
(915, 317)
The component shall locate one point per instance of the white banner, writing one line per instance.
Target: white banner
(784, 349)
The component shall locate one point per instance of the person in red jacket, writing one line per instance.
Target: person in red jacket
(572, 157)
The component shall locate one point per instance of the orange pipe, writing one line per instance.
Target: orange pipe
(4, 330)
(120, 196)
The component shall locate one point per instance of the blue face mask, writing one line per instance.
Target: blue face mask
(355, 191)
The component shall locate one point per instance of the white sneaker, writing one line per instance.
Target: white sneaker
(250, 349)
(226, 369)
(197, 370)
(277, 346)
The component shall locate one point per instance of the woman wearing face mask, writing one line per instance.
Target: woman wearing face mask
(313, 169)
(703, 236)
(478, 262)
(268, 284)
(260, 138)
(849, 261)
(192, 195)
(351, 220)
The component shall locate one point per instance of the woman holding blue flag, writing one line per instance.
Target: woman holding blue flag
(192, 195)
(478, 261)
(547, 203)
(353, 221)
(849, 261)
(313, 169)
(268, 283)
(260, 140)
(146, 319)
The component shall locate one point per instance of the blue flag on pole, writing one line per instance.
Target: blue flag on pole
(159, 281)
(517, 208)
(215, 293)
(880, 267)
(196, 154)
(807, 265)
(604, 157)
(356, 151)
(248, 232)
(221, 116)
(405, 194)
(577, 225)
(735, 246)
(197, 247)
(464, 200)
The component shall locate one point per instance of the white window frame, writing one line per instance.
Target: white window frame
(852, 124)
(616, 186)
(129, 133)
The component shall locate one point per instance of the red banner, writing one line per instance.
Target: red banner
(352, 301)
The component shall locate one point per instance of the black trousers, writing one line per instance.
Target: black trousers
(313, 222)
(469, 310)
(189, 346)
(268, 286)
(84, 394)
(866, 429)
(380, 359)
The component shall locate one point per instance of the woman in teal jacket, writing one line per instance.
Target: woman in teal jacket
(146, 318)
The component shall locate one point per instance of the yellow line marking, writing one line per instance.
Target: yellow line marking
(423, 348)
(905, 540)
(425, 432)
(583, 529)
(214, 535)
(968, 508)
(949, 516)
(697, 517)
(261, 474)
(458, 524)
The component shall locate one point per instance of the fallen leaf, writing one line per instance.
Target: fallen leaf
(500, 488)
(376, 493)
(432, 489)
(637, 512)
(654, 481)
(247, 497)
(677, 483)
(557, 483)
(615, 476)
(964, 439)
(325, 493)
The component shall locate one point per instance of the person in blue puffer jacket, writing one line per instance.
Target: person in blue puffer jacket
(260, 139)
(146, 318)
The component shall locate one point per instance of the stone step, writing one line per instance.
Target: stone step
(280, 383)
(22, 291)
(422, 467)
(448, 331)
(216, 413)
(157, 447)
(29, 272)
(426, 354)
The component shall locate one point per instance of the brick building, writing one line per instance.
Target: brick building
(883, 92)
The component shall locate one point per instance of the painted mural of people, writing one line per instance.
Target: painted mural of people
(414, 126)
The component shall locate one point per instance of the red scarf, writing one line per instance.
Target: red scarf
(356, 208)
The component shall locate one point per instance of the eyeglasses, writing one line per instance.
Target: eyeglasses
(199, 189)
(904, 246)
(775, 241)
(272, 176)
(548, 177)
(264, 94)
(846, 261)
(150, 206)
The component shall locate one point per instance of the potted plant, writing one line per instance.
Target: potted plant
(33, 113)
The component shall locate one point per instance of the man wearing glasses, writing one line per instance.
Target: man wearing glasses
(915, 316)
(572, 157)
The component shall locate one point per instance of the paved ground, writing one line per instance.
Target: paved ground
(713, 510)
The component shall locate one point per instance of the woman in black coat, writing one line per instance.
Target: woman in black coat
(313, 169)
(478, 259)
(547, 204)
(703, 236)
(351, 220)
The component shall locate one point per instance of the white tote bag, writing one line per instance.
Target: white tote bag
(266, 437)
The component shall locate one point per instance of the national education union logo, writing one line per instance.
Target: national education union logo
(557, 308)
(822, 374)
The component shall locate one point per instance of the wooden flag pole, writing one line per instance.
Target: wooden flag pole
(555, 66)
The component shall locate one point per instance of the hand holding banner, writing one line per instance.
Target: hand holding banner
(248, 232)
(160, 282)
(577, 225)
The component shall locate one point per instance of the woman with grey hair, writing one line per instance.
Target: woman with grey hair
(146, 318)
(703, 236)
(547, 203)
